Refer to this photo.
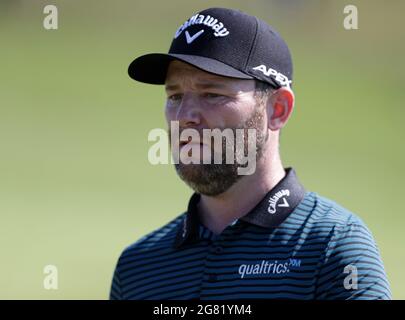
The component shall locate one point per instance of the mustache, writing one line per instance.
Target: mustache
(206, 136)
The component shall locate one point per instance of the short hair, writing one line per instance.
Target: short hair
(262, 90)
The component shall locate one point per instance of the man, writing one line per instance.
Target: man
(256, 235)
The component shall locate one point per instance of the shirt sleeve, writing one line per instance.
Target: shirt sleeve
(352, 268)
(115, 290)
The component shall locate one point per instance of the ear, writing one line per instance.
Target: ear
(279, 108)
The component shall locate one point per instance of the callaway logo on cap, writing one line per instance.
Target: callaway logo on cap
(225, 42)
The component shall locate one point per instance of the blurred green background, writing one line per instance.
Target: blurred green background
(76, 186)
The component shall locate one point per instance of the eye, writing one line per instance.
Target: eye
(212, 95)
(174, 97)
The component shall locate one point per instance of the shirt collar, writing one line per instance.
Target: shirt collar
(270, 212)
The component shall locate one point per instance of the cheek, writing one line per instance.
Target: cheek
(218, 119)
(170, 114)
(229, 116)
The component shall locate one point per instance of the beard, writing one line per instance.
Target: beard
(213, 179)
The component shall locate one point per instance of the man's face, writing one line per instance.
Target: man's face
(200, 100)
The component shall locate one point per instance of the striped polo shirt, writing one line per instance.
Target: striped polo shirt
(294, 244)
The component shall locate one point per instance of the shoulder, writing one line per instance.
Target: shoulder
(155, 243)
(325, 220)
(343, 225)
(350, 251)
(342, 229)
(133, 257)
(325, 211)
(160, 238)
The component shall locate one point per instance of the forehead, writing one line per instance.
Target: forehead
(179, 72)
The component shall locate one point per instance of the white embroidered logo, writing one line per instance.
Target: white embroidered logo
(277, 76)
(274, 200)
(268, 268)
(190, 39)
(217, 26)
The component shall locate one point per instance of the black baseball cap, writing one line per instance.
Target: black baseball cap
(224, 42)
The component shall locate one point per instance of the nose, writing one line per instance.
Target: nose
(188, 113)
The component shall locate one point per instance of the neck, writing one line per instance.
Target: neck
(217, 212)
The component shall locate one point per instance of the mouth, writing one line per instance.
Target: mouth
(189, 141)
(192, 145)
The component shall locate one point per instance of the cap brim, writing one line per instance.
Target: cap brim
(152, 68)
